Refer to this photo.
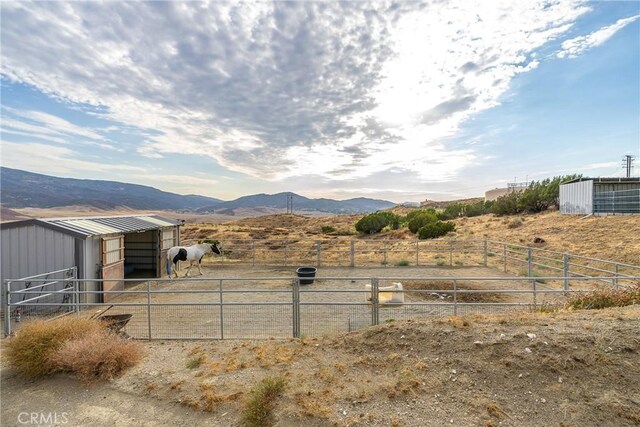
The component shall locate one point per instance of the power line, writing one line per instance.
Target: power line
(627, 162)
(289, 203)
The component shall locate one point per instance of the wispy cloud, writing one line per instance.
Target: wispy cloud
(48, 127)
(576, 46)
(38, 157)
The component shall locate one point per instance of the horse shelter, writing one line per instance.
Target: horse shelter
(100, 251)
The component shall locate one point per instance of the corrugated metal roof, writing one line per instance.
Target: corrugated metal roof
(605, 180)
(95, 226)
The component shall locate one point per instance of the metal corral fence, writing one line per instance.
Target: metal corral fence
(511, 258)
(620, 202)
(280, 307)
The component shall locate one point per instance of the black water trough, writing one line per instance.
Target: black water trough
(304, 273)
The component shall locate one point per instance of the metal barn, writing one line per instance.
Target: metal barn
(600, 196)
(109, 247)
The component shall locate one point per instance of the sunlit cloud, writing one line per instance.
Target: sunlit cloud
(276, 90)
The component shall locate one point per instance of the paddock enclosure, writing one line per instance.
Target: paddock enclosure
(252, 291)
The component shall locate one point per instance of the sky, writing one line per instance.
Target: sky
(402, 101)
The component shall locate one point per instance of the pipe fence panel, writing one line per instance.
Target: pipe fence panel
(277, 307)
(262, 307)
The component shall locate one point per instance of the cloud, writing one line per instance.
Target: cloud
(576, 46)
(340, 90)
(48, 127)
(54, 159)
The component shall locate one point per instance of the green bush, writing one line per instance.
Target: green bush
(537, 197)
(375, 222)
(435, 229)
(420, 220)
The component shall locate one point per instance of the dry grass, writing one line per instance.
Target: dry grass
(71, 344)
(447, 285)
(98, 355)
(604, 298)
(258, 410)
(195, 361)
(32, 350)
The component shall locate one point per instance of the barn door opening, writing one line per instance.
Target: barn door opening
(112, 265)
(141, 255)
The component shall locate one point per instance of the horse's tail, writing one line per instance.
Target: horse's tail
(168, 264)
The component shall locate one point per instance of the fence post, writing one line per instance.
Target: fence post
(615, 280)
(455, 297)
(76, 290)
(7, 309)
(504, 257)
(353, 253)
(384, 252)
(286, 253)
(221, 310)
(149, 308)
(417, 253)
(450, 254)
(295, 303)
(253, 251)
(375, 319)
(485, 252)
(529, 261)
(565, 269)
(318, 247)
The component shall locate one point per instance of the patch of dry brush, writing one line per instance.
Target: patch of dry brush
(81, 346)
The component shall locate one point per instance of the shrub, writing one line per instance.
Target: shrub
(327, 229)
(517, 222)
(72, 344)
(605, 298)
(196, 361)
(98, 355)
(375, 222)
(402, 263)
(420, 220)
(258, 409)
(32, 350)
(435, 229)
(537, 197)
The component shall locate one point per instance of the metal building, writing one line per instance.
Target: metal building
(600, 196)
(109, 247)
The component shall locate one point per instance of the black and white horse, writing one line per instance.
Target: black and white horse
(190, 253)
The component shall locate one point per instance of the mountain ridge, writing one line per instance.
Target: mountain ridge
(22, 189)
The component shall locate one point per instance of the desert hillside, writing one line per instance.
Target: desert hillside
(579, 368)
(615, 238)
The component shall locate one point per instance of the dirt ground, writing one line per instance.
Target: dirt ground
(258, 300)
(526, 369)
(521, 368)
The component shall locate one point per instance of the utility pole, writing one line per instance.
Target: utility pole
(289, 204)
(627, 160)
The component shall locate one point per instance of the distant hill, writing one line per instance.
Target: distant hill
(301, 204)
(21, 189)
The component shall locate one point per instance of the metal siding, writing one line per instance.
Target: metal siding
(31, 250)
(576, 198)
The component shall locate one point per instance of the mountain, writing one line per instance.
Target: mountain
(20, 189)
(301, 203)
